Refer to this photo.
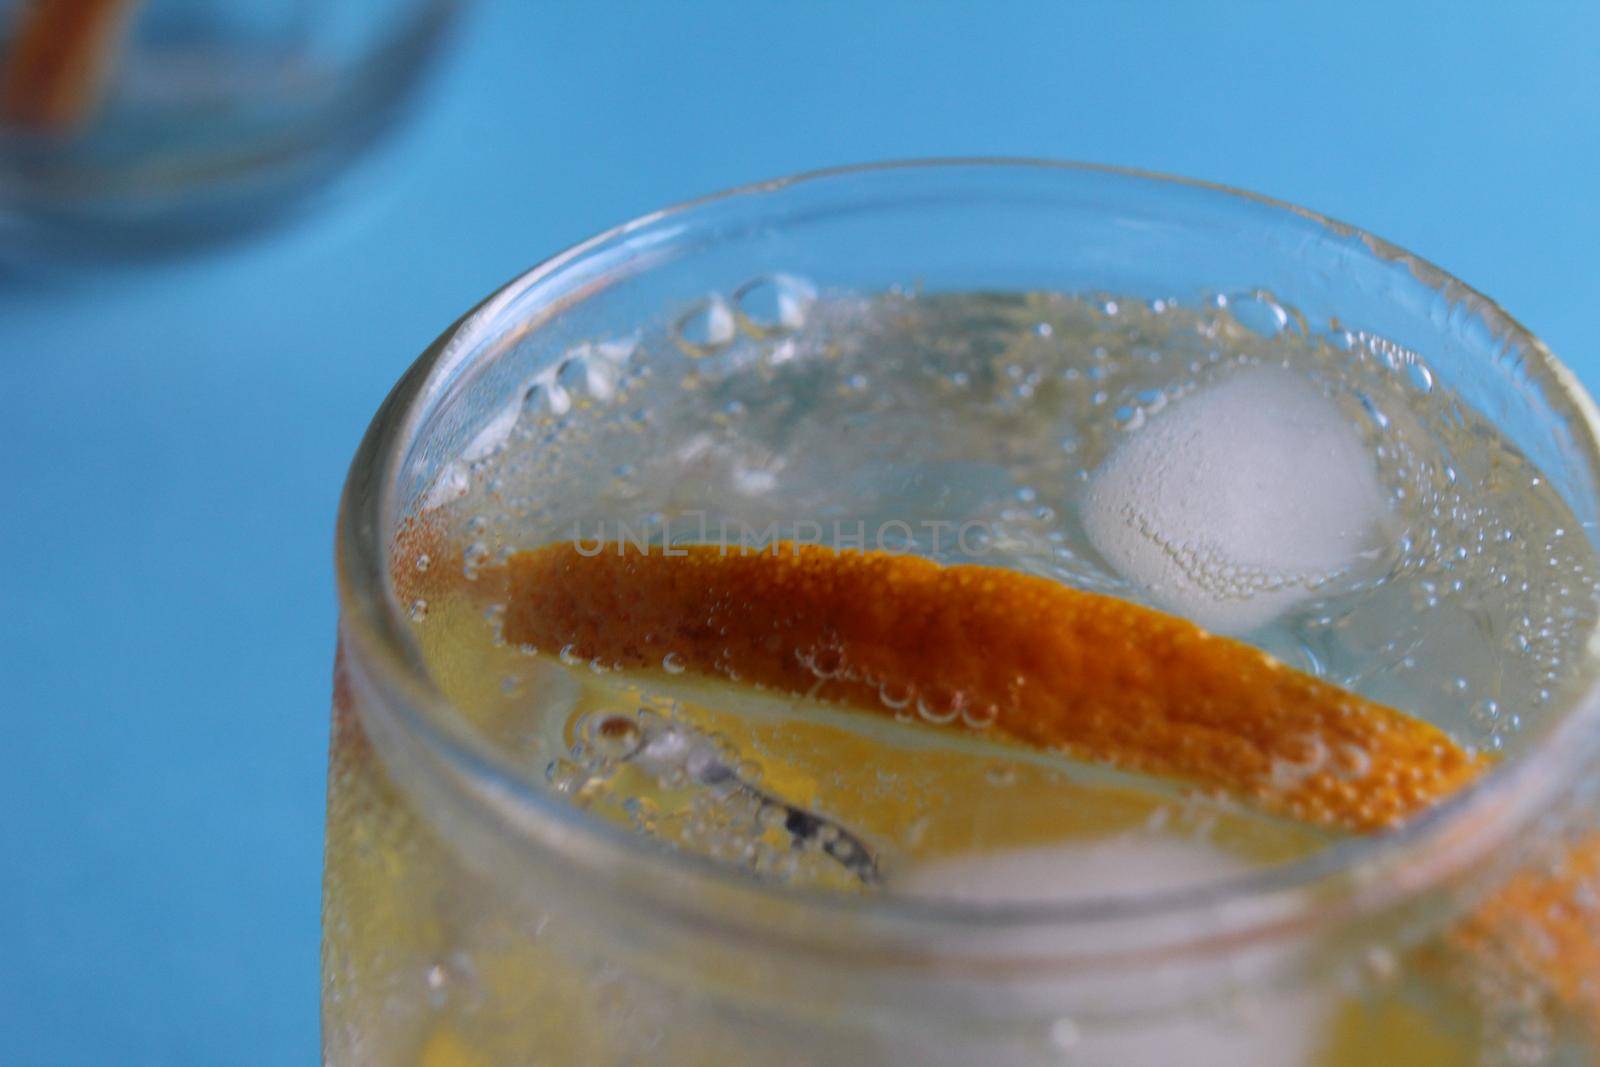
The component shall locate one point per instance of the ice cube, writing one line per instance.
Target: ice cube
(1118, 866)
(1273, 1027)
(1239, 501)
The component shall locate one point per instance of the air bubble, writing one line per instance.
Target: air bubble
(565, 777)
(451, 978)
(894, 695)
(1420, 377)
(673, 663)
(980, 717)
(826, 662)
(942, 707)
(1486, 715)
(705, 329)
(1065, 1034)
(1354, 762)
(615, 736)
(571, 376)
(546, 396)
(596, 367)
(475, 555)
(418, 610)
(642, 812)
(1288, 773)
(1259, 313)
(1001, 774)
(774, 304)
(1381, 963)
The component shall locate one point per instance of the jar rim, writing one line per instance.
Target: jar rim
(1346, 880)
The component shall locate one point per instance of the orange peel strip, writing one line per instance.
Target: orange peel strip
(1027, 658)
(61, 52)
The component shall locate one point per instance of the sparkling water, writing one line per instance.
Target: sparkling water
(1322, 496)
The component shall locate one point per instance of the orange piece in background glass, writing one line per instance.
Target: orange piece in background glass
(60, 55)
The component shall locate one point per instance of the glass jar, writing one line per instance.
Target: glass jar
(473, 916)
(134, 125)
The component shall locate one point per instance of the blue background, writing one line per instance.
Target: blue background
(175, 434)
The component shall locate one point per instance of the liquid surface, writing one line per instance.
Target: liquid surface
(1320, 497)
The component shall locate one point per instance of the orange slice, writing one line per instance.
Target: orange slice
(1545, 924)
(61, 52)
(1030, 659)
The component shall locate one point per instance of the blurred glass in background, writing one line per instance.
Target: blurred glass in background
(131, 126)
